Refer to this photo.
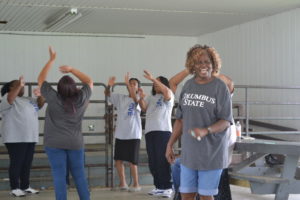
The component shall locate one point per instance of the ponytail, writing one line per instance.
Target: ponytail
(6, 88)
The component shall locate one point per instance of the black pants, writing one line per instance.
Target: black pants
(21, 156)
(156, 144)
(224, 187)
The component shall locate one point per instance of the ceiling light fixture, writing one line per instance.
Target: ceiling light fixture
(64, 20)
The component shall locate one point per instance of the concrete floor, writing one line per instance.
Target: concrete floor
(238, 193)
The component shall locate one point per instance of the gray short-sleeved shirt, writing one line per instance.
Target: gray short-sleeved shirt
(129, 125)
(62, 129)
(201, 105)
(19, 120)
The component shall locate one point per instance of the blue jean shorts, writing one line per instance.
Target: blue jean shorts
(204, 182)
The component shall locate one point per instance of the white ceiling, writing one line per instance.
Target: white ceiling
(145, 17)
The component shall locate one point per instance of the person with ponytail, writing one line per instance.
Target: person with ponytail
(20, 133)
(158, 128)
(63, 139)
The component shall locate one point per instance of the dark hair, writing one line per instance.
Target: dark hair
(6, 87)
(164, 81)
(137, 80)
(68, 92)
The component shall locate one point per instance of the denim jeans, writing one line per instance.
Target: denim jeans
(175, 167)
(58, 159)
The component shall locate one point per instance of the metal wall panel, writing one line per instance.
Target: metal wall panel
(100, 56)
(263, 52)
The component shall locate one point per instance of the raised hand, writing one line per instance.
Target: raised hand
(52, 53)
(37, 92)
(65, 69)
(111, 81)
(127, 79)
(21, 81)
(148, 75)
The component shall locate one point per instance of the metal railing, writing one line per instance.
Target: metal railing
(244, 113)
(246, 106)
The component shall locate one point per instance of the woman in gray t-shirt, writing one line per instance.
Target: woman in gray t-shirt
(63, 139)
(203, 116)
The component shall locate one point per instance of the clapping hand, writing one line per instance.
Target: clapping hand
(65, 69)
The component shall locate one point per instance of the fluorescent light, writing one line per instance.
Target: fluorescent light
(64, 20)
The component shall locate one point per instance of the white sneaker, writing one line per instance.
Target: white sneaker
(31, 191)
(18, 193)
(153, 192)
(164, 193)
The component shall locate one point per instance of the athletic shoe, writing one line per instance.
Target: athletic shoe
(153, 192)
(18, 193)
(164, 193)
(31, 191)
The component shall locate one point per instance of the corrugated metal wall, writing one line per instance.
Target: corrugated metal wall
(264, 52)
(99, 57)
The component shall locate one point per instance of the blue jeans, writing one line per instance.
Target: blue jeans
(175, 167)
(58, 159)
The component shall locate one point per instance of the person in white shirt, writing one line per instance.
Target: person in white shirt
(20, 133)
(128, 131)
(158, 107)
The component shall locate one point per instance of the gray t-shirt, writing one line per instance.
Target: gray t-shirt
(129, 125)
(200, 106)
(19, 120)
(63, 130)
(158, 114)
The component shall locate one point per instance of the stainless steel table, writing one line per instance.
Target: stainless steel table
(278, 180)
